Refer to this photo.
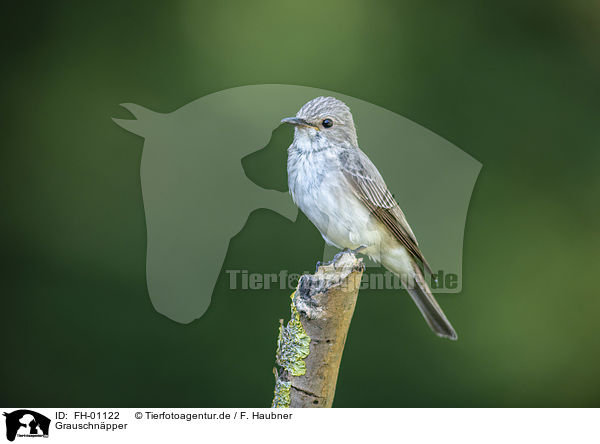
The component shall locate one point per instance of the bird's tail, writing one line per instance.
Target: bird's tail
(429, 307)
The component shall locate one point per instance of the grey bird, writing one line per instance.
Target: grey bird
(343, 194)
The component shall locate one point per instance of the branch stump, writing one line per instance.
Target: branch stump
(310, 346)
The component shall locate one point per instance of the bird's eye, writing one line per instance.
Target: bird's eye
(327, 123)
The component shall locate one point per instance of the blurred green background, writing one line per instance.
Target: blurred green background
(513, 83)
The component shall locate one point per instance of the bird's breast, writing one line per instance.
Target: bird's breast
(321, 191)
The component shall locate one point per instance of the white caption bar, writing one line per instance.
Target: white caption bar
(460, 426)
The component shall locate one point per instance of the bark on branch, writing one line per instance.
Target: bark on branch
(310, 346)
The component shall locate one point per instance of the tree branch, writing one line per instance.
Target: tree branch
(310, 346)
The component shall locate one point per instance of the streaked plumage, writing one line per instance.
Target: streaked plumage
(340, 190)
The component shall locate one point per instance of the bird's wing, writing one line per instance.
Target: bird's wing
(370, 188)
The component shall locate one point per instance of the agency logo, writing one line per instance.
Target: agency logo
(27, 424)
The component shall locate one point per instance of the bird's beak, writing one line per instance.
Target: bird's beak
(297, 121)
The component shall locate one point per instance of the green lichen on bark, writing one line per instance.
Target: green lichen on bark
(293, 344)
(281, 397)
(292, 348)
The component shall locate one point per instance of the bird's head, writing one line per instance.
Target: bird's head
(324, 120)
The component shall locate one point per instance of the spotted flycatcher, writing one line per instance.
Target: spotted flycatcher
(342, 193)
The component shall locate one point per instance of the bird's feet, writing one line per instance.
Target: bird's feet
(358, 250)
(355, 251)
(319, 263)
(338, 255)
(348, 250)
